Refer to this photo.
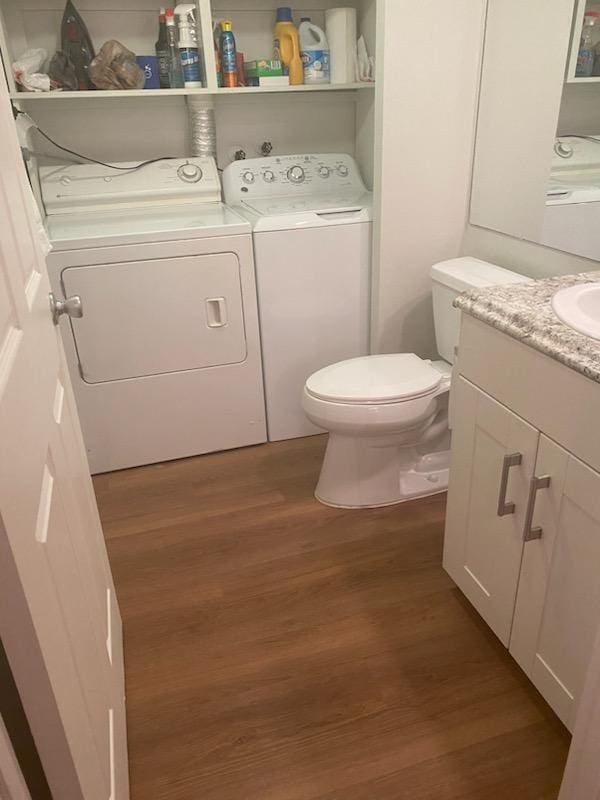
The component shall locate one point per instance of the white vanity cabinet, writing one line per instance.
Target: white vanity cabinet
(483, 551)
(523, 522)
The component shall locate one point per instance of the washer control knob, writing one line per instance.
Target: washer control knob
(324, 172)
(343, 170)
(248, 177)
(296, 174)
(269, 176)
(563, 149)
(190, 173)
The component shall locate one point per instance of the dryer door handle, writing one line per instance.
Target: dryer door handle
(216, 312)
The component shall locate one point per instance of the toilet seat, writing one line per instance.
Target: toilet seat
(375, 380)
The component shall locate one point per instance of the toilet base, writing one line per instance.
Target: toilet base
(368, 473)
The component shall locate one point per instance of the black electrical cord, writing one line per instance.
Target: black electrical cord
(87, 158)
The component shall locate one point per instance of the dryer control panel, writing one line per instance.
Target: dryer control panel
(68, 188)
(282, 176)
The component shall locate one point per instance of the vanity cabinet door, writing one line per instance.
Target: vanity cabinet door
(493, 458)
(558, 603)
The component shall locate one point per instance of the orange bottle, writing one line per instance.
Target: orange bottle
(287, 45)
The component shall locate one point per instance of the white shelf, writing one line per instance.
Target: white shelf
(100, 94)
(593, 79)
(326, 87)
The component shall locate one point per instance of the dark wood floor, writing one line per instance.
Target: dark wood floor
(280, 650)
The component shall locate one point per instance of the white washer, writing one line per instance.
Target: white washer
(165, 361)
(311, 217)
(572, 214)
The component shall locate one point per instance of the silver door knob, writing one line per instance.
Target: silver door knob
(72, 307)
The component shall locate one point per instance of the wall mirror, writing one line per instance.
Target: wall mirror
(537, 156)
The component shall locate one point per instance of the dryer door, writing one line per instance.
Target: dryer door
(146, 318)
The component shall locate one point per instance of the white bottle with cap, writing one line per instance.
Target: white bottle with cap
(315, 53)
(189, 52)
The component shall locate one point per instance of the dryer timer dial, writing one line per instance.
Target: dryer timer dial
(190, 173)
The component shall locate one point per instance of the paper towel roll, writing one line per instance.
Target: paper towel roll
(340, 24)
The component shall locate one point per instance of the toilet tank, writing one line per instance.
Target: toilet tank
(449, 279)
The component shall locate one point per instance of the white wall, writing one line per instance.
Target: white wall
(521, 256)
(299, 123)
(425, 118)
(138, 128)
(580, 110)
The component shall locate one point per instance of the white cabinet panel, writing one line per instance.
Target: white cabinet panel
(558, 604)
(482, 550)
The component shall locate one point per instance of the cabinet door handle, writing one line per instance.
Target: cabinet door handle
(510, 460)
(529, 533)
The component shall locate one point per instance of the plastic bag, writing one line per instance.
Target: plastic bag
(115, 67)
(62, 72)
(27, 71)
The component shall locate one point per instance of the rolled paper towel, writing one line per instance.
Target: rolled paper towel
(340, 24)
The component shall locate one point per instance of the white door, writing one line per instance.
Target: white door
(59, 619)
(558, 604)
(493, 457)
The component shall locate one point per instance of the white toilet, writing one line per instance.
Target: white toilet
(387, 415)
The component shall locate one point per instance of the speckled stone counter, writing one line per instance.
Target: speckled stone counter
(524, 311)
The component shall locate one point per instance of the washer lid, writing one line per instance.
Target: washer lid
(375, 379)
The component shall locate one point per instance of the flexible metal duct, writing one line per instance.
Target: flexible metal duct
(203, 127)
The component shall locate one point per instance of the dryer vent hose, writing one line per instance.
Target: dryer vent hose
(203, 127)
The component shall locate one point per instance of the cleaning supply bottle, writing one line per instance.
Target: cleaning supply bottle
(217, 46)
(229, 67)
(189, 53)
(162, 51)
(587, 52)
(315, 53)
(287, 45)
(175, 73)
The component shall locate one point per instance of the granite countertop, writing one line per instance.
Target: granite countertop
(524, 311)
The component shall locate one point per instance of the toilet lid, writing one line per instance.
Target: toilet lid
(375, 379)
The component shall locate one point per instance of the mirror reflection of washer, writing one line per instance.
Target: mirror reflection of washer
(572, 213)
(165, 361)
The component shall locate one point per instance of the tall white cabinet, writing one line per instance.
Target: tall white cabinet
(523, 524)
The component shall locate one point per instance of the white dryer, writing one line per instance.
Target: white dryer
(312, 220)
(166, 360)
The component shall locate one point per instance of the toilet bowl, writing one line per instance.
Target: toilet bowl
(387, 418)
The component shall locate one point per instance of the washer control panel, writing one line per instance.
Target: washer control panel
(68, 188)
(281, 176)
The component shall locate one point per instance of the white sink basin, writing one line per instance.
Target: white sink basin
(579, 308)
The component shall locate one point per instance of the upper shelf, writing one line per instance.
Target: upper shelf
(99, 94)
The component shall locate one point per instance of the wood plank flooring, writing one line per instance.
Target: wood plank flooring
(280, 650)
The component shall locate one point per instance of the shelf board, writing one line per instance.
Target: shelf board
(593, 79)
(104, 94)
(325, 87)
(101, 94)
